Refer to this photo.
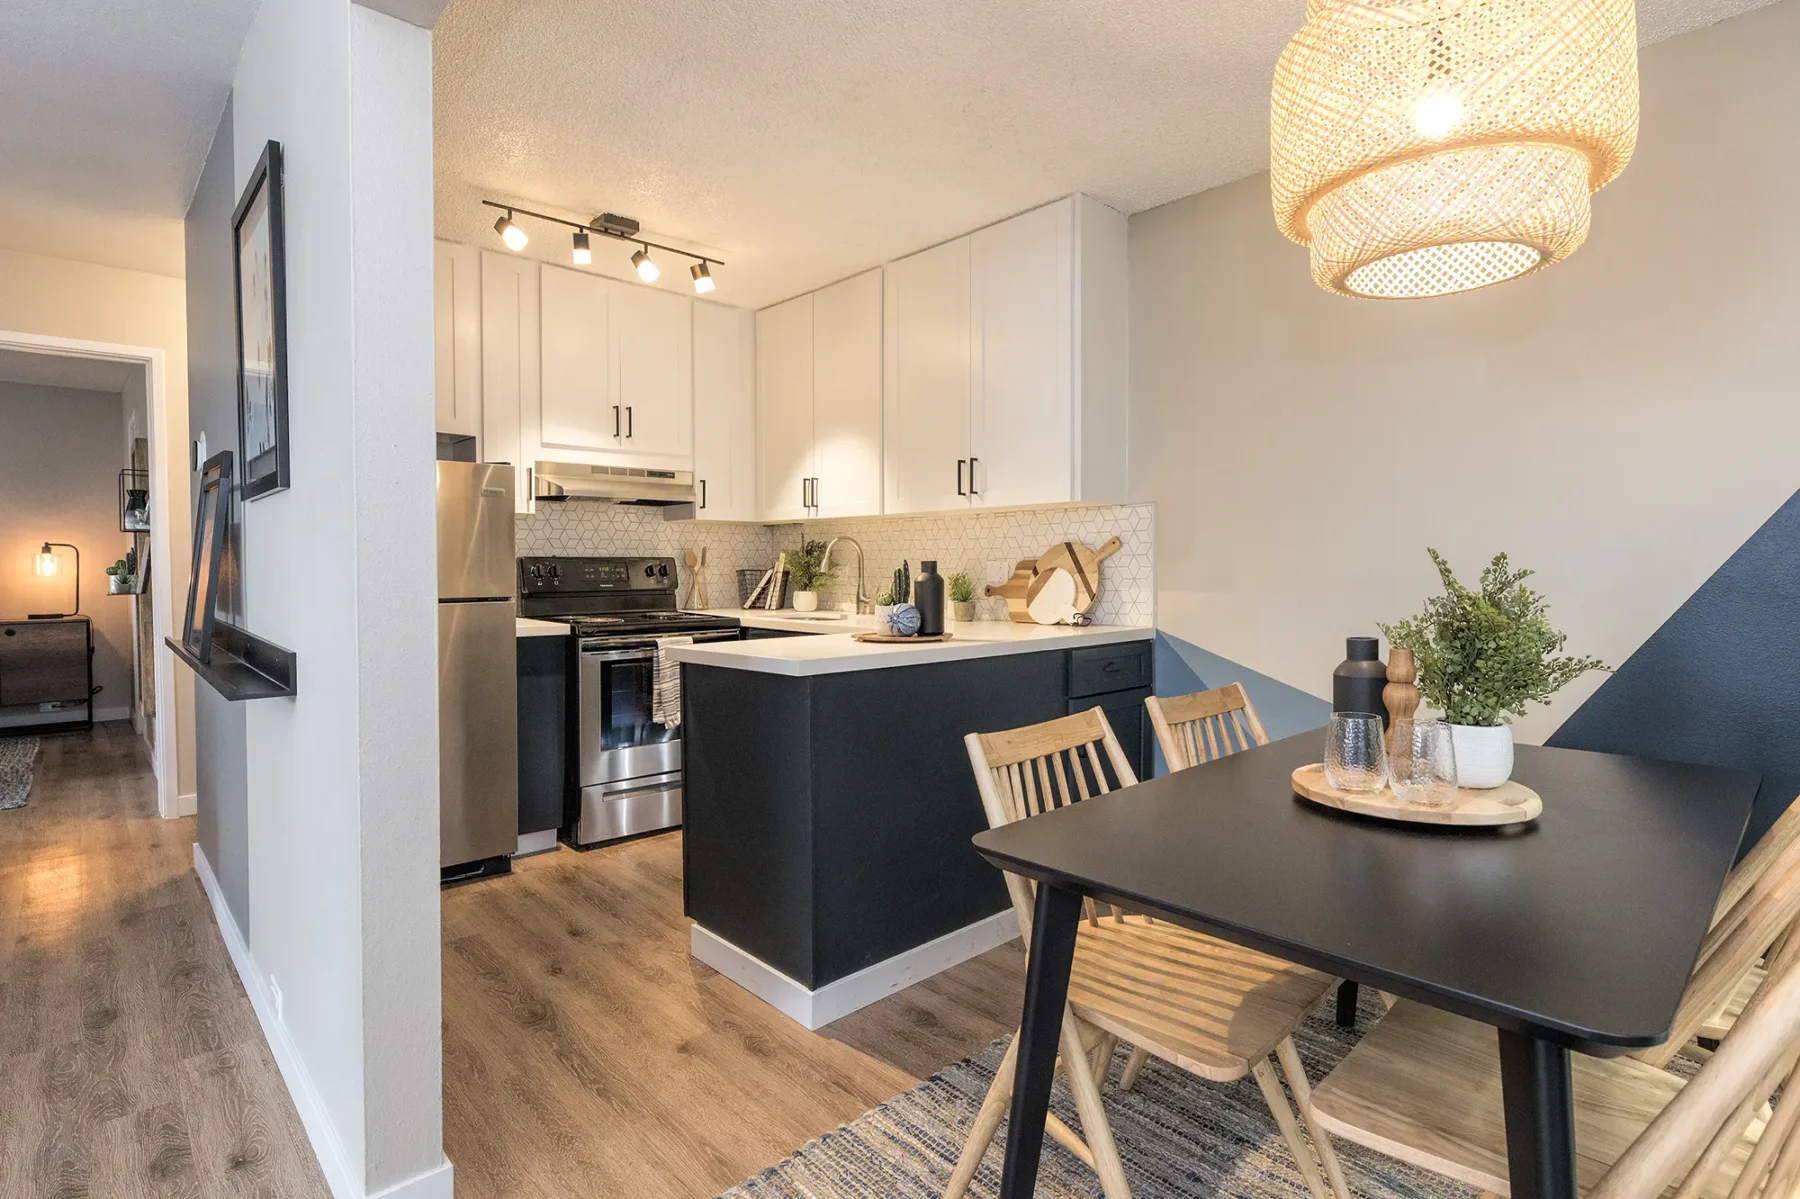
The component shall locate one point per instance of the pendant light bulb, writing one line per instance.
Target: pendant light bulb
(647, 270)
(703, 280)
(45, 562)
(584, 256)
(511, 234)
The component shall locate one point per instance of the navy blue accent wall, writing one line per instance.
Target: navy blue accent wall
(1182, 666)
(1719, 682)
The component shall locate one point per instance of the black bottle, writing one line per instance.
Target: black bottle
(1357, 682)
(928, 598)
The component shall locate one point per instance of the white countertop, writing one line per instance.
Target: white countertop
(527, 627)
(832, 651)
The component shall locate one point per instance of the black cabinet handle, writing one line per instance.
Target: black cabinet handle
(615, 420)
(628, 424)
(1110, 668)
(805, 493)
(702, 493)
(960, 463)
(815, 502)
(972, 488)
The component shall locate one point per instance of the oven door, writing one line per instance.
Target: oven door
(618, 738)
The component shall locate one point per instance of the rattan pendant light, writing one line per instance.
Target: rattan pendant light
(1422, 147)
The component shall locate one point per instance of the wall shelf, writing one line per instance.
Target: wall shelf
(243, 665)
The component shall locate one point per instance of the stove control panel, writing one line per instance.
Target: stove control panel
(588, 576)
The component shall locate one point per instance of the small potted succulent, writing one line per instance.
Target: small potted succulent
(1482, 656)
(121, 574)
(961, 587)
(898, 592)
(807, 574)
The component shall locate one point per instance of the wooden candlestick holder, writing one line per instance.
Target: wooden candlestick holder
(1400, 696)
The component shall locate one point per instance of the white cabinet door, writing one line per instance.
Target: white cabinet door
(926, 417)
(509, 368)
(1022, 405)
(724, 413)
(577, 374)
(784, 409)
(457, 309)
(652, 347)
(847, 397)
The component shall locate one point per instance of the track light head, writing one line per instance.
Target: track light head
(584, 256)
(511, 234)
(703, 280)
(646, 269)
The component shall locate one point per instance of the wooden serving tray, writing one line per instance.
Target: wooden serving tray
(1510, 803)
(896, 639)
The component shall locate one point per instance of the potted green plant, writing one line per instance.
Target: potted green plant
(898, 592)
(961, 588)
(1482, 656)
(120, 574)
(807, 574)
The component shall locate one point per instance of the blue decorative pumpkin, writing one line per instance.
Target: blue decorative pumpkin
(904, 620)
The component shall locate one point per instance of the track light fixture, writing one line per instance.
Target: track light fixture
(511, 234)
(620, 228)
(647, 270)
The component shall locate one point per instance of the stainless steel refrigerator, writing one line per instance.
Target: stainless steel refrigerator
(478, 705)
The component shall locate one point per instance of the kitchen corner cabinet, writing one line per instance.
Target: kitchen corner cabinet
(724, 413)
(456, 309)
(1006, 365)
(819, 383)
(510, 361)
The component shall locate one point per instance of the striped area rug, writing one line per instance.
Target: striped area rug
(16, 757)
(1178, 1135)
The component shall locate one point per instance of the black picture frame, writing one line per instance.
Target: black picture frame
(212, 515)
(258, 230)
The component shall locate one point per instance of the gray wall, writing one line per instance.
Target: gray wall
(59, 473)
(221, 774)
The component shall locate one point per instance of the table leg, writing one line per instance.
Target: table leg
(1540, 1117)
(1348, 995)
(1053, 926)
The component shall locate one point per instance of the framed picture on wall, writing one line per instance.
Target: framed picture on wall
(260, 273)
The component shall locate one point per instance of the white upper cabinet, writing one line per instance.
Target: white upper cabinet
(846, 409)
(577, 362)
(1006, 365)
(457, 311)
(653, 353)
(784, 409)
(926, 414)
(724, 413)
(509, 368)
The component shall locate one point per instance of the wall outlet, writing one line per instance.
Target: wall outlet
(275, 994)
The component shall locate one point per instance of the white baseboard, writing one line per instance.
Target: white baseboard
(117, 712)
(327, 1146)
(542, 841)
(833, 1001)
(433, 1184)
(186, 804)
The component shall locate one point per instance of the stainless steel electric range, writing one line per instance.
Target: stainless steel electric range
(625, 766)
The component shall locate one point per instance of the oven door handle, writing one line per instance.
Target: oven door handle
(601, 654)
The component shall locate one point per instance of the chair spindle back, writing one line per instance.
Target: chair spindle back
(1205, 725)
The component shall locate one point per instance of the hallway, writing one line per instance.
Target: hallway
(131, 1064)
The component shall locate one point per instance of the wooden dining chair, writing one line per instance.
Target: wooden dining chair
(1209, 1007)
(1205, 725)
(1424, 1085)
(1767, 849)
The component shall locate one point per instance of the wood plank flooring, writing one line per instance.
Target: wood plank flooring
(585, 1053)
(131, 1064)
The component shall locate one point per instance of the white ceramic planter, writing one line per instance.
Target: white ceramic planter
(806, 601)
(1484, 755)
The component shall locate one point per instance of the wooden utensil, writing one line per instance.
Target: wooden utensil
(1052, 597)
(1014, 590)
(700, 581)
(1082, 564)
(692, 560)
(1510, 803)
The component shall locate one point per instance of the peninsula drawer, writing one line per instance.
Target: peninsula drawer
(1106, 668)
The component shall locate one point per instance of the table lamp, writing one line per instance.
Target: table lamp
(48, 566)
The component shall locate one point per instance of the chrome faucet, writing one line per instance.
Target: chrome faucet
(864, 604)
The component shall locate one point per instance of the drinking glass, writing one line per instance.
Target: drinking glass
(1423, 764)
(1355, 759)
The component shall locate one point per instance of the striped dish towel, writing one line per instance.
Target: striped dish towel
(665, 688)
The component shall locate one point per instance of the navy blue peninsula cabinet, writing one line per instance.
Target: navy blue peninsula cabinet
(830, 804)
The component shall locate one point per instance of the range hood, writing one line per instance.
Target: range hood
(613, 484)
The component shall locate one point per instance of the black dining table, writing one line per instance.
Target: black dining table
(1573, 932)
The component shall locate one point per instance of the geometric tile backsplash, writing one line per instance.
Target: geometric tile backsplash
(986, 544)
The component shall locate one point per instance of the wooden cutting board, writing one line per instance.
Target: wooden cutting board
(1052, 597)
(1082, 564)
(1015, 590)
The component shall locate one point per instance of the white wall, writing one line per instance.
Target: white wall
(339, 568)
(1621, 422)
(57, 297)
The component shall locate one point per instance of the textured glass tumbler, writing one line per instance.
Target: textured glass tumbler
(1423, 764)
(1355, 759)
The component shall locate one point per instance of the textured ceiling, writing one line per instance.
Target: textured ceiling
(809, 139)
(106, 112)
(64, 370)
